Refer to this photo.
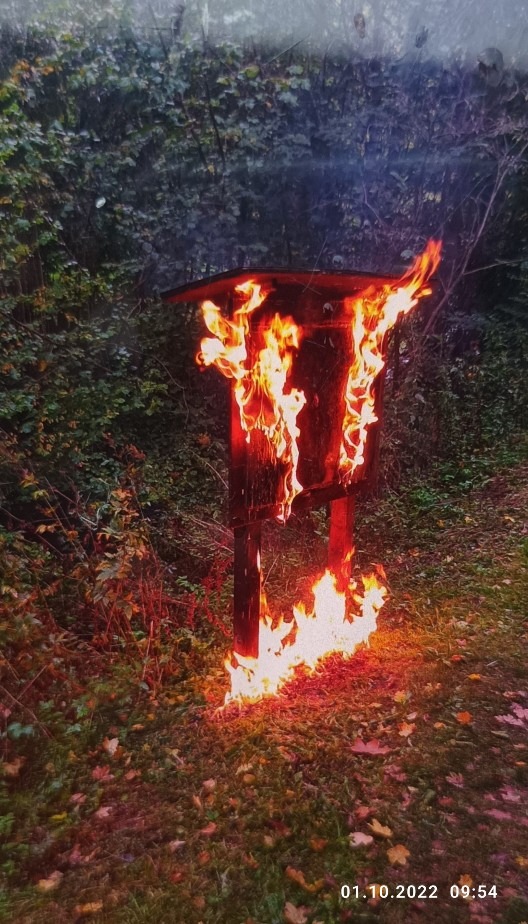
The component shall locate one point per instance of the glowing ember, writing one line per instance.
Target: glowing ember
(306, 640)
(260, 388)
(372, 315)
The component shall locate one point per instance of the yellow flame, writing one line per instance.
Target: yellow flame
(373, 314)
(307, 639)
(265, 400)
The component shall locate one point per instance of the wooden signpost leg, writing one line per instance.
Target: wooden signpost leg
(247, 580)
(341, 539)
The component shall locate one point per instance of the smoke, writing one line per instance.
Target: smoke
(412, 28)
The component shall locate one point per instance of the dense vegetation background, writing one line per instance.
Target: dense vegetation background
(135, 155)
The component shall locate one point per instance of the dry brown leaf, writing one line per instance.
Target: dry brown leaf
(209, 785)
(406, 729)
(294, 915)
(297, 876)
(102, 774)
(110, 745)
(465, 880)
(398, 855)
(209, 829)
(13, 768)
(83, 911)
(401, 696)
(197, 802)
(318, 843)
(52, 882)
(380, 830)
(474, 676)
(465, 718)
(244, 768)
(248, 778)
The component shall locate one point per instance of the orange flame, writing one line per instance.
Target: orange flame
(265, 403)
(372, 315)
(306, 640)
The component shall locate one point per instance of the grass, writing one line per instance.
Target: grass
(244, 815)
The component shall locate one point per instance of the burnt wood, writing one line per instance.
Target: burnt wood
(317, 303)
(341, 539)
(247, 584)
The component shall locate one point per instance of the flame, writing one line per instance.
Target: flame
(261, 391)
(372, 315)
(307, 639)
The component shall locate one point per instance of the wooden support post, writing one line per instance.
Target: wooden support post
(341, 539)
(247, 580)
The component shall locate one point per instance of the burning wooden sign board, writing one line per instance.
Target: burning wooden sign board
(305, 352)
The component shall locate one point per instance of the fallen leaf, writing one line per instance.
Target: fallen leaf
(297, 876)
(374, 893)
(83, 911)
(244, 768)
(398, 855)
(197, 802)
(510, 795)
(78, 798)
(102, 774)
(465, 880)
(13, 769)
(248, 778)
(369, 747)
(295, 915)
(380, 830)
(175, 845)
(455, 779)
(439, 725)
(269, 841)
(406, 729)
(52, 882)
(358, 839)
(499, 815)
(137, 727)
(510, 720)
(474, 677)
(209, 829)
(401, 696)
(209, 785)
(522, 862)
(58, 819)
(110, 745)
(465, 718)
(318, 843)
(362, 812)
(104, 812)
(131, 775)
